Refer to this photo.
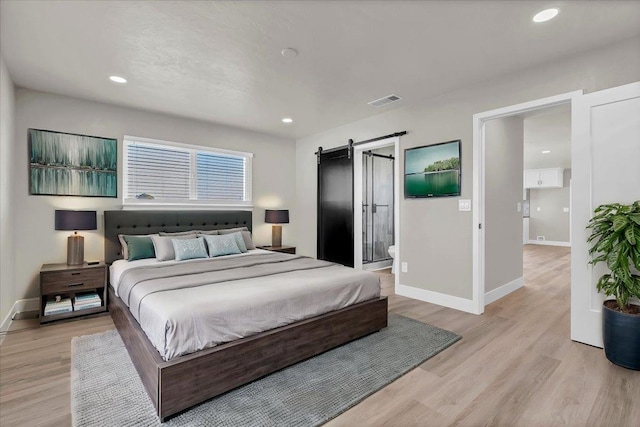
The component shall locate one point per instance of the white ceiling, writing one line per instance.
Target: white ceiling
(220, 61)
(548, 129)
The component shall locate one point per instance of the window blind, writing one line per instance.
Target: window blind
(178, 173)
(161, 172)
(219, 177)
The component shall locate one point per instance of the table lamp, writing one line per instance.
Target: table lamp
(75, 220)
(276, 216)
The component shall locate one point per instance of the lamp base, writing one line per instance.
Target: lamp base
(276, 236)
(75, 250)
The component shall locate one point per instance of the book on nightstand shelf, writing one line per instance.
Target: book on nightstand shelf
(87, 300)
(87, 306)
(57, 307)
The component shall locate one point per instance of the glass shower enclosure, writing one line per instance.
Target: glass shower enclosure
(377, 206)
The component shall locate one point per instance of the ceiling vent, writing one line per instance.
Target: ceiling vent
(385, 101)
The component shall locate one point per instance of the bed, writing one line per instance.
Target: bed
(180, 370)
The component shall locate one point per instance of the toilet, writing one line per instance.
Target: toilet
(392, 253)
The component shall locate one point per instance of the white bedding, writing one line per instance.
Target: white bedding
(185, 320)
(118, 267)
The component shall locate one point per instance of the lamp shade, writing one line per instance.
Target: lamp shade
(76, 220)
(276, 216)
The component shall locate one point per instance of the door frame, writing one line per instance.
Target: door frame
(479, 120)
(357, 199)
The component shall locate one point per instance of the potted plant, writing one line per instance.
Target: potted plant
(615, 240)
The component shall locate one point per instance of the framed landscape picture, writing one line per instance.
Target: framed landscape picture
(66, 164)
(433, 170)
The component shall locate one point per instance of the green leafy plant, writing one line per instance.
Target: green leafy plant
(615, 240)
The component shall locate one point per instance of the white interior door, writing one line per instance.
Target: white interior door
(605, 153)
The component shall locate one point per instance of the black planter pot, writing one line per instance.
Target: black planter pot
(621, 335)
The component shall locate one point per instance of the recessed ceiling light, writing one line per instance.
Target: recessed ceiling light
(546, 151)
(117, 79)
(289, 52)
(287, 120)
(545, 15)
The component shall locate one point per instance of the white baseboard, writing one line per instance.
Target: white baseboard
(31, 304)
(549, 243)
(445, 300)
(503, 290)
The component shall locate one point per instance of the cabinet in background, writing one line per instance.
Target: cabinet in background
(544, 178)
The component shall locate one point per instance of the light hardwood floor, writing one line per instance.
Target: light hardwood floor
(515, 366)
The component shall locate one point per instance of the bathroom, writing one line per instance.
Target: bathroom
(378, 234)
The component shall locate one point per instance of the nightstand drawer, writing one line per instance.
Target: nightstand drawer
(70, 281)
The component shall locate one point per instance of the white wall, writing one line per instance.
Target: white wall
(504, 146)
(551, 222)
(436, 239)
(38, 242)
(7, 110)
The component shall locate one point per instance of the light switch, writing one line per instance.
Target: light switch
(464, 205)
(538, 209)
(519, 206)
(405, 267)
(565, 209)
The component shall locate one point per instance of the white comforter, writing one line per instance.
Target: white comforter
(182, 321)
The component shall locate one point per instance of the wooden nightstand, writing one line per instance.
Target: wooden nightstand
(283, 249)
(67, 281)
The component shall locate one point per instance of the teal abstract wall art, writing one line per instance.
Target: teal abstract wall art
(65, 164)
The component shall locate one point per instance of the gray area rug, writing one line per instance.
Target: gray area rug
(106, 389)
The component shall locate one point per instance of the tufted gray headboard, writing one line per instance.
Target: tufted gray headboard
(150, 222)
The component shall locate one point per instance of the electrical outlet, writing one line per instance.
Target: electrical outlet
(405, 267)
(464, 205)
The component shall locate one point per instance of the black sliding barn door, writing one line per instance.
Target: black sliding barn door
(335, 206)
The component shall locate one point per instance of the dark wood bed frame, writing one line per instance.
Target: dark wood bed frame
(185, 381)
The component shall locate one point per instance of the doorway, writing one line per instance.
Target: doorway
(376, 182)
(377, 207)
(527, 194)
(547, 176)
(479, 191)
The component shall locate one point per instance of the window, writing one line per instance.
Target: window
(169, 173)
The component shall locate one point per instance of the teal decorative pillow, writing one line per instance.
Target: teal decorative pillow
(222, 245)
(246, 235)
(189, 248)
(239, 241)
(163, 246)
(139, 247)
